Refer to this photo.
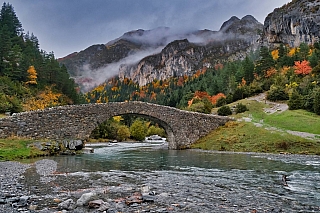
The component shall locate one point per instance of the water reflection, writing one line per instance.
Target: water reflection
(259, 174)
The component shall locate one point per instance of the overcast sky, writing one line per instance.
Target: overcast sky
(67, 26)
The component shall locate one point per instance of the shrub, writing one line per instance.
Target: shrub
(138, 130)
(277, 93)
(229, 98)
(123, 133)
(295, 101)
(154, 130)
(224, 111)
(221, 101)
(316, 105)
(202, 106)
(241, 108)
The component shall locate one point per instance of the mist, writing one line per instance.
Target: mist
(91, 78)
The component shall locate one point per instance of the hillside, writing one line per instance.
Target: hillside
(30, 78)
(161, 53)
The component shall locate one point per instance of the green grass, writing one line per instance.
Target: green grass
(245, 137)
(14, 149)
(295, 120)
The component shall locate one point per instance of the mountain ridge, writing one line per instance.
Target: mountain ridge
(99, 58)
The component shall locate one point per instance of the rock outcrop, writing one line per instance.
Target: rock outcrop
(181, 57)
(294, 23)
(163, 53)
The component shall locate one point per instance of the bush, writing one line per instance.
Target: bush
(229, 98)
(276, 94)
(241, 108)
(316, 106)
(154, 130)
(295, 101)
(138, 130)
(221, 101)
(202, 106)
(123, 133)
(224, 111)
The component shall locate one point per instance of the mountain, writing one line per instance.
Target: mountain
(294, 23)
(145, 55)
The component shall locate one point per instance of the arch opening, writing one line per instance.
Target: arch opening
(167, 128)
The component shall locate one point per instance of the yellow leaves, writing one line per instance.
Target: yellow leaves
(275, 54)
(99, 88)
(293, 51)
(32, 75)
(117, 118)
(44, 99)
(115, 88)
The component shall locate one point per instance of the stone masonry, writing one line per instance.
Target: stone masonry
(78, 121)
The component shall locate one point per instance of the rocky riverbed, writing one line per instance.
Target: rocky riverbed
(40, 187)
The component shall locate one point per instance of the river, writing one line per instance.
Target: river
(179, 180)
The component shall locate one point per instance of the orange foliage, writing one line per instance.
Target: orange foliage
(180, 81)
(216, 97)
(142, 94)
(201, 95)
(302, 68)
(275, 54)
(153, 96)
(218, 66)
(285, 70)
(270, 72)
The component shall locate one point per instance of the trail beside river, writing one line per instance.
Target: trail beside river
(275, 107)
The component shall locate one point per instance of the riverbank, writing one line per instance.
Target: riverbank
(246, 137)
(18, 148)
(192, 181)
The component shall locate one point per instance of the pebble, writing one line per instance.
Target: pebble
(157, 192)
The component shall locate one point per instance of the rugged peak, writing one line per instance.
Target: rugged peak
(154, 37)
(227, 24)
(249, 18)
(248, 25)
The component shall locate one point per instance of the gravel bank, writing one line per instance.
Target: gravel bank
(45, 190)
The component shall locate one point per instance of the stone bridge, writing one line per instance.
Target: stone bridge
(78, 121)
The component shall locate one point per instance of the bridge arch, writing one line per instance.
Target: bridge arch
(78, 121)
(163, 124)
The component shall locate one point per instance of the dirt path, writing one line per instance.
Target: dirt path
(278, 107)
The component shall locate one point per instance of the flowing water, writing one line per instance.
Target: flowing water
(194, 180)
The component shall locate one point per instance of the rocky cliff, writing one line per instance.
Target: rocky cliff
(294, 23)
(183, 57)
(145, 55)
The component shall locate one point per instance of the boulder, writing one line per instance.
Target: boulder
(67, 205)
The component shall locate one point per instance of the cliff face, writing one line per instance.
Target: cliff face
(183, 57)
(161, 53)
(294, 23)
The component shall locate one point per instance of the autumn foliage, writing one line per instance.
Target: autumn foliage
(302, 68)
(32, 75)
(201, 95)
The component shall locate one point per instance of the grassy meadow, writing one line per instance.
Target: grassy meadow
(269, 136)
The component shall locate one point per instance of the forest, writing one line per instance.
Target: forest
(30, 78)
(284, 73)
